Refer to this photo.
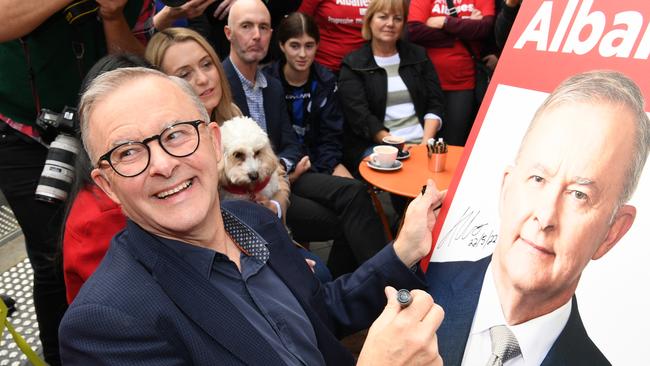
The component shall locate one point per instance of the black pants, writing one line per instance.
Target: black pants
(325, 207)
(21, 163)
(460, 111)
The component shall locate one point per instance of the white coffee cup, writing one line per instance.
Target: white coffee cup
(396, 141)
(383, 156)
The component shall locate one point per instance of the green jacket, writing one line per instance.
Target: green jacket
(56, 71)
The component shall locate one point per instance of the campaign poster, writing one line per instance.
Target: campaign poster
(549, 42)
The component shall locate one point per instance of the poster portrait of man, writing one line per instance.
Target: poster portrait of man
(562, 203)
(544, 225)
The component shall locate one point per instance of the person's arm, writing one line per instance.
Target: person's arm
(20, 17)
(329, 138)
(356, 106)
(434, 101)
(419, 33)
(431, 127)
(119, 37)
(289, 148)
(93, 334)
(355, 300)
(504, 22)
(469, 29)
(425, 36)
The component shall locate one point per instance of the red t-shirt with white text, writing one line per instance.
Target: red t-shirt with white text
(454, 65)
(339, 22)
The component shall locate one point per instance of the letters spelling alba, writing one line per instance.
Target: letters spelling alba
(615, 37)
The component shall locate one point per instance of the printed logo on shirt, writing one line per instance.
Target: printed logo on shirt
(297, 96)
(463, 10)
(358, 3)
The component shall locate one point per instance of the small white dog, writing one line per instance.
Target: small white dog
(249, 166)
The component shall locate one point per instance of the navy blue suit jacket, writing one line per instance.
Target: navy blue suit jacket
(278, 124)
(456, 287)
(145, 305)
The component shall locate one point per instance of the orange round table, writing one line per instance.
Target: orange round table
(408, 180)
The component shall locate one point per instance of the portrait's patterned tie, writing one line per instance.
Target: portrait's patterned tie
(504, 346)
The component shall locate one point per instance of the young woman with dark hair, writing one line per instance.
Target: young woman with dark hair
(310, 93)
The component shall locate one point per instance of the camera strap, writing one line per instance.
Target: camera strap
(79, 50)
(31, 75)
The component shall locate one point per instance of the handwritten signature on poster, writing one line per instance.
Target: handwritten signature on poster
(469, 231)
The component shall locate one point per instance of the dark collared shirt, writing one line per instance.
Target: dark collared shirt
(257, 292)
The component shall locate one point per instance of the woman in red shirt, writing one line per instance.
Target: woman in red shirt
(431, 26)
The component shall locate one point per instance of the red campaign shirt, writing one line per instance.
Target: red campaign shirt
(339, 22)
(93, 221)
(454, 65)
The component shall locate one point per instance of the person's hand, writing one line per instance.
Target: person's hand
(341, 171)
(303, 165)
(192, 8)
(223, 9)
(414, 239)
(512, 3)
(476, 15)
(490, 61)
(437, 22)
(111, 9)
(404, 336)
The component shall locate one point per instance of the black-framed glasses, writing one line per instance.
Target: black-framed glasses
(132, 157)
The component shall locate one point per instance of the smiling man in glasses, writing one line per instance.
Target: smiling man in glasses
(193, 282)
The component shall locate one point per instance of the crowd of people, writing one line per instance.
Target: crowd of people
(155, 268)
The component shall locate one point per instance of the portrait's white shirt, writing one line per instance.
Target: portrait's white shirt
(535, 337)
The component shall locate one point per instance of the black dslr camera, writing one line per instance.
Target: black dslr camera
(58, 172)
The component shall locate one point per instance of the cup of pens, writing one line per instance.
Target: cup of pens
(437, 153)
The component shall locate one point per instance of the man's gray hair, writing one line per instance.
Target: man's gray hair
(603, 86)
(106, 83)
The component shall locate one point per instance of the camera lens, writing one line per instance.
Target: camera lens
(58, 173)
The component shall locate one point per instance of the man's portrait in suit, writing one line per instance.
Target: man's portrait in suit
(562, 204)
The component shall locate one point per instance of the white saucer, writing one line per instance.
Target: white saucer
(405, 155)
(396, 166)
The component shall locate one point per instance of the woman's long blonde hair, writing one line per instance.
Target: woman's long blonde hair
(160, 43)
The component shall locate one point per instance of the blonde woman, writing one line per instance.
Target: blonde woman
(184, 53)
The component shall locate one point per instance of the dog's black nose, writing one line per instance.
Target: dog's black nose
(253, 176)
